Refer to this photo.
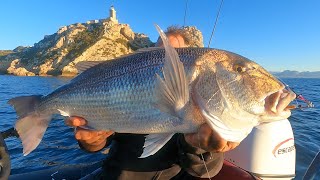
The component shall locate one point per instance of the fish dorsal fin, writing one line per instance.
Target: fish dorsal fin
(142, 50)
(84, 65)
(172, 92)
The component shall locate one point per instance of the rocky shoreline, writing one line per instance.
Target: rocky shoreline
(95, 40)
(58, 53)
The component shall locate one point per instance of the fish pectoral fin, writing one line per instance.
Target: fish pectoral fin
(154, 142)
(172, 92)
(142, 50)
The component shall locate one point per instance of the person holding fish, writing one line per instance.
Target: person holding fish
(188, 155)
(175, 111)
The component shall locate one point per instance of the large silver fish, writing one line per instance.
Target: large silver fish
(158, 92)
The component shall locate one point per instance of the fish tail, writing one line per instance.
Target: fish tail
(31, 124)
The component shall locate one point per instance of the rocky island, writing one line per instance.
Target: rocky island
(57, 54)
(94, 40)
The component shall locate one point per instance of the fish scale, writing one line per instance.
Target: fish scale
(127, 86)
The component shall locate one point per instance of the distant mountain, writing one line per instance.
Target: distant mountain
(297, 74)
(5, 52)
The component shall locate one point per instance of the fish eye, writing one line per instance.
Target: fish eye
(239, 69)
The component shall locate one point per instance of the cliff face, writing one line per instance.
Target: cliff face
(97, 40)
(58, 53)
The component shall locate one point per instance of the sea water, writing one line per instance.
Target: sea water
(59, 146)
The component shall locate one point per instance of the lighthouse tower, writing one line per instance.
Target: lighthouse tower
(113, 15)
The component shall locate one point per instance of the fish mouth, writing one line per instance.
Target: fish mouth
(278, 102)
(270, 93)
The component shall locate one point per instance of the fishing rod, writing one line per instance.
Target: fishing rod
(185, 13)
(215, 23)
(313, 168)
(315, 164)
(214, 27)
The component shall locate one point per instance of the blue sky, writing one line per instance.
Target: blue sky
(278, 34)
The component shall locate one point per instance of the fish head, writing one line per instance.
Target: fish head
(238, 91)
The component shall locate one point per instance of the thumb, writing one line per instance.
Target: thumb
(75, 121)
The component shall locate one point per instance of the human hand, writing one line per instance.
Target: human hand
(5, 163)
(91, 140)
(209, 140)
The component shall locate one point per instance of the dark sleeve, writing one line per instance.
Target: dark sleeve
(190, 159)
